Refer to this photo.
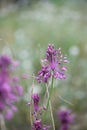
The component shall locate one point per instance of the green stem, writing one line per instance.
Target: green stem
(31, 113)
(31, 103)
(50, 94)
(50, 106)
(2, 123)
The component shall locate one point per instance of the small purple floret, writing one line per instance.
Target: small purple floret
(36, 99)
(37, 125)
(44, 74)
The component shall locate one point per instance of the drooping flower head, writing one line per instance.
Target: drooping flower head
(53, 65)
(37, 113)
(66, 118)
(10, 90)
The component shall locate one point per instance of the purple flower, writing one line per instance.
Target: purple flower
(53, 65)
(64, 127)
(9, 114)
(5, 61)
(37, 125)
(36, 99)
(44, 74)
(46, 127)
(19, 90)
(66, 118)
(10, 91)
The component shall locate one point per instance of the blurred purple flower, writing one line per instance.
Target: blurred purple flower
(66, 118)
(19, 90)
(53, 65)
(9, 114)
(5, 61)
(10, 91)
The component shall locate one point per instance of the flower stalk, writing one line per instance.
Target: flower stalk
(49, 94)
(2, 123)
(31, 103)
(50, 105)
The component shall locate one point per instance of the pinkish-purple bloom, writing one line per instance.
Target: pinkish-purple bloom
(9, 114)
(10, 91)
(44, 74)
(66, 118)
(37, 125)
(53, 65)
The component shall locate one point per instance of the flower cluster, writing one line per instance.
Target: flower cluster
(10, 90)
(66, 118)
(37, 123)
(53, 65)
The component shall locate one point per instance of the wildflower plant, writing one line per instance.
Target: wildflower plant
(53, 67)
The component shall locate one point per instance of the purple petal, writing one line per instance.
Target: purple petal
(19, 90)
(9, 114)
(14, 108)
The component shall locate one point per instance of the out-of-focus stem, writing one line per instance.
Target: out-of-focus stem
(11, 49)
(31, 103)
(2, 123)
(31, 113)
(50, 94)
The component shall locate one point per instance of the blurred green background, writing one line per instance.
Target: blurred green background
(26, 29)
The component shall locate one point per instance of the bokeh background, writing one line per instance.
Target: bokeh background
(26, 29)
